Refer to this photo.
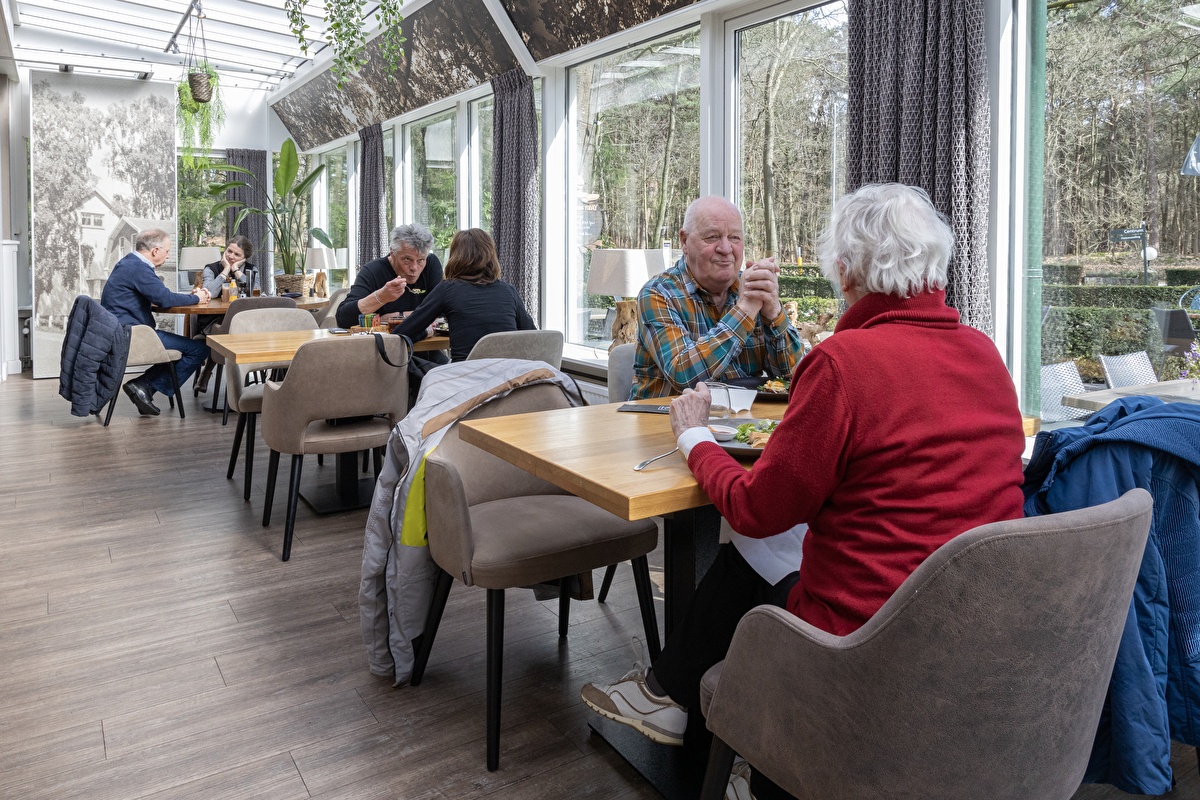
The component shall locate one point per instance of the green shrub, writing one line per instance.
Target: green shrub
(1085, 333)
(1069, 274)
(1182, 276)
(1110, 296)
(810, 307)
(801, 286)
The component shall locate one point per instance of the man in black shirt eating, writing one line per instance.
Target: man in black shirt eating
(396, 283)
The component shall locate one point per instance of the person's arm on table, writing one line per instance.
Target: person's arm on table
(417, 324)
(153, 289)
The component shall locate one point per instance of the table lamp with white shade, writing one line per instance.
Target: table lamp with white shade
(195, 259)
(320, 260)
(620, 274)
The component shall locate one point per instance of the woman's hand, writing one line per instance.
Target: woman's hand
(690, 409)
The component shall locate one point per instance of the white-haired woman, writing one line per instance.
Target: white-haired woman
(902, 431)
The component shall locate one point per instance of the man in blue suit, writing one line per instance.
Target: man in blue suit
(131, 291)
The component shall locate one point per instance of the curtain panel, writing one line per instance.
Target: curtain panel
(515, 207)
(254, 226)
(918, 114)
(372, 238)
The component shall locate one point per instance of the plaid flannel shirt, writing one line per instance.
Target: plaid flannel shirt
(683, 338)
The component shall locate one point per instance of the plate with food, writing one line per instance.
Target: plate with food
(749, 438)
(774, 389)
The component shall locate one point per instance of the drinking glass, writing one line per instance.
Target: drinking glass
(720, 401)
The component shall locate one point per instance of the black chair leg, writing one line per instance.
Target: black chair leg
(293, 502)
(217, 386)
(378, 453)
(645, 591)
(272, 470)
(225, 413)
(564, 604)
(716, 776)
(320, 459)
(237, 445)
(175, 386)
(366, 460)
(251, 421)
(495, 673)
(111, 405)
(606, 583)
(437, 605)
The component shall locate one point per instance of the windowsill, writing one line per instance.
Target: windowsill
(591, 362)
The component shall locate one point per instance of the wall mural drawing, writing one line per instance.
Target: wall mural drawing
(102, 167)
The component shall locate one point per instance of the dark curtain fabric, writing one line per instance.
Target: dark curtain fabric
(919, 114)
(372, 238)
(254, 227)
(515, 207)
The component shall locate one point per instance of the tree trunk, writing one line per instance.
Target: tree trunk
(1152, 211)
(768, 168)
(664, 178)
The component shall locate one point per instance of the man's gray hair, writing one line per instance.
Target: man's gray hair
(702, 203)
(414, 235)
(147, 240)
(889, 239)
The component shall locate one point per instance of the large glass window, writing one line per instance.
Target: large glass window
(482, 112)
(435, 177)
(635, 161)
(789, 134)
(196, 227)
(337, 219)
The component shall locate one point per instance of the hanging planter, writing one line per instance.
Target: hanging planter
(200, 86)
(198, 121)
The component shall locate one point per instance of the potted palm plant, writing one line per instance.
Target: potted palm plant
(286, 215)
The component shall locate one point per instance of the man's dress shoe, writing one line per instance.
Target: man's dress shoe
(141, 398)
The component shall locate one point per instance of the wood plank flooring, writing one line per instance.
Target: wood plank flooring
(152, 643)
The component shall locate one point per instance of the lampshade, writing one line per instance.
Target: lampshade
(621, 273)
(319, 259)
(193, 258)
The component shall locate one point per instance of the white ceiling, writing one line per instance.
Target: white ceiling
(248, 41)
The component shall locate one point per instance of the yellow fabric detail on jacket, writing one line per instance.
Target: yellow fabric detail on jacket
(414, 530)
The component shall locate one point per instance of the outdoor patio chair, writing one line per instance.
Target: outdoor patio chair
(1177, 331)
(1131, 369)
(1059, 380)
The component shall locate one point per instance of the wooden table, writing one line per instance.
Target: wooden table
(274, 347)
(1181, 391)
(217, 308)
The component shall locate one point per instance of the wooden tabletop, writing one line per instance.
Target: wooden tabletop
(590, 451)
(1181, 391)
(276, 346)
(219, 307)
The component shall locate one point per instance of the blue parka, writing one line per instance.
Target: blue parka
(1154, 694)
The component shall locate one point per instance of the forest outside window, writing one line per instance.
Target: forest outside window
(434, 169)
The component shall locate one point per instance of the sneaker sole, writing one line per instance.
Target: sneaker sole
(649, 731)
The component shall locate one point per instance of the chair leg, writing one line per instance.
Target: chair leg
(217, 387)
(716, 776)
(320, 459)
(437, 605)
(175, 386)
(237, 445)
(378, 452)
(606, 583)
(366, 460)
(564, 604)
(293, 502)
(495, 673)
(645, 591)
(251, 420)
(225, 413)
(272, 470)
(111, 405)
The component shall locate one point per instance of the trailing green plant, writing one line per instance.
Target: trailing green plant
(285, 214)
(345, 32)
(198, 122)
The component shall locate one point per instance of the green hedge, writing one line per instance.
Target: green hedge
(1110, 296)
(810, 307)
(1085, 333)
(1069, 274)
(801, 286)
(1182, 276)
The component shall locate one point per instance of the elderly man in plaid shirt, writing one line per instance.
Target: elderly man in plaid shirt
(702, 321)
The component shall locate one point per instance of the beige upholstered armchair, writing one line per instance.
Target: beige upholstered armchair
(983, 676)
(529, 345)
(146, 349)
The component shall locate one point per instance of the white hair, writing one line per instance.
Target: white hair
(889, 239)
(414, 235)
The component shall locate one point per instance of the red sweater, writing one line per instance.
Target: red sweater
(901, 432)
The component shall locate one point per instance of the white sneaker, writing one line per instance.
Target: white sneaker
(739, 781)
(630, 702)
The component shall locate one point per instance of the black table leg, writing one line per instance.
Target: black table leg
(348, 492)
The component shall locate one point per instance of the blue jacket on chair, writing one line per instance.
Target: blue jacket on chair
(92, 361)
(1154, 694)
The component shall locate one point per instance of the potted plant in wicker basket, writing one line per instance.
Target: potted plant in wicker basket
(286, 215)
(198, 119)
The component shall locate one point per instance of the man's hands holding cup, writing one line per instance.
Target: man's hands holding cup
(759, 290)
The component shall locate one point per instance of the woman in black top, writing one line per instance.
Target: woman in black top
(472, 298)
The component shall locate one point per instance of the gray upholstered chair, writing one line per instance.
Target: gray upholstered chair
(244, 399)
(235, 308)
(1131, 369)
(620, 382)
(984, 675)
(493, 525)
(327, 316)
(1059, 380)
(340, 378)
(530, 345)
(145, 350)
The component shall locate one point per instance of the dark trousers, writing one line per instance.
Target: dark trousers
(194, 353)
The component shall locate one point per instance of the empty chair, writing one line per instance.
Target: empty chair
(246, 400)
(235, 308)
(327, 316)
(529, 345)
(1177, 331)
(1131, 369)
(620, 383)
(984, 675)
(339, 378)
(493, 525)
(146, 349)
(1059, 380)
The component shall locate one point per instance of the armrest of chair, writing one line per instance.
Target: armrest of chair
(448, 518)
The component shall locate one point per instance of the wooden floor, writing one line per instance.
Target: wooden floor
(152, 644)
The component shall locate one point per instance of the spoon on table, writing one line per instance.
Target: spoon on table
(650, 461)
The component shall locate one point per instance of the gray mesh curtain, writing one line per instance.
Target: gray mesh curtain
(918, 114)
(515, 207)
(372, 238)
(254, 227)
